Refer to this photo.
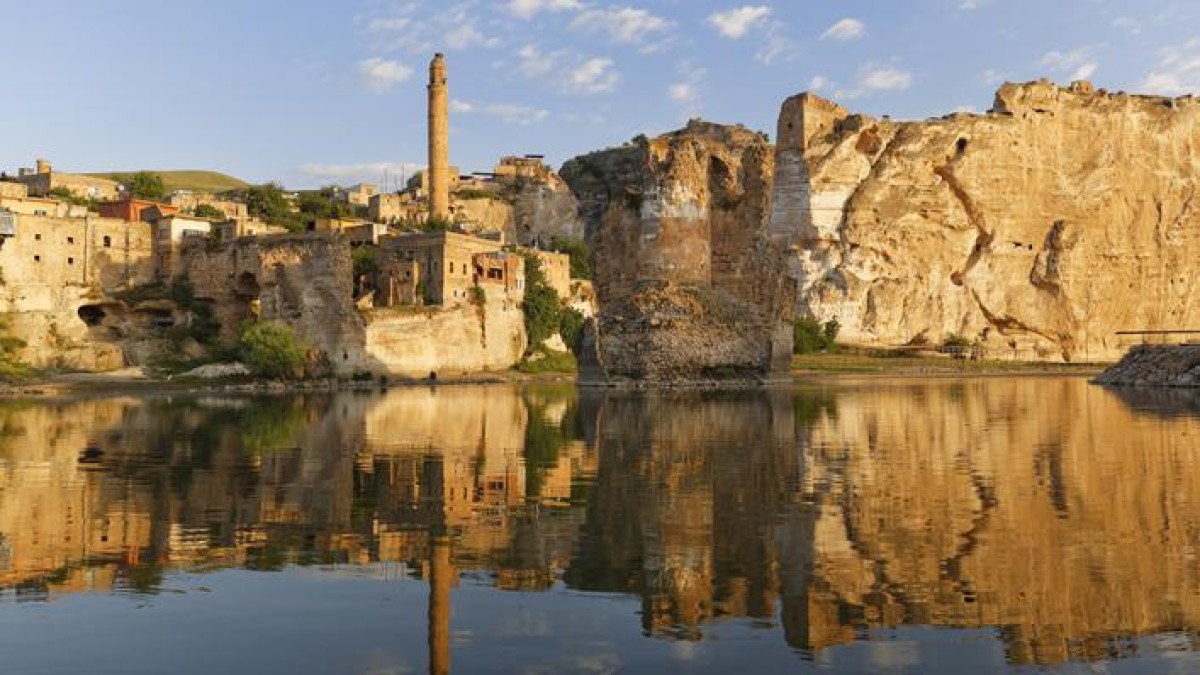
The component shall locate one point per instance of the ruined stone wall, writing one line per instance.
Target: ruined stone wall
(1038, 229)
(55, 266)
(689, 287)
(304, 282)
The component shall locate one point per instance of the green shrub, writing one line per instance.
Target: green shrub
(208, 212)
(272, 350)
(809, 336)
(542, 306)
(570, 327)
(579, 253)
(549, 362)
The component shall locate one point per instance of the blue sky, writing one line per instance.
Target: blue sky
(309, 92)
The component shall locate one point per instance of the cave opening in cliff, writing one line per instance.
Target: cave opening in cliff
(247, 286)
(960, 148)
(92, 315)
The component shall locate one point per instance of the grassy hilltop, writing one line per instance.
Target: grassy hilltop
(205, 181)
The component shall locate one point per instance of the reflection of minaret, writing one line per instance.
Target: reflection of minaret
(439, 140)
(440, 579)
(441, 573)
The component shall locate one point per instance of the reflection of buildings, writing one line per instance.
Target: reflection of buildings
(101, 486)
(1044, 508)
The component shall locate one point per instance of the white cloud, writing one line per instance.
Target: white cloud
(527, 9)
(686, 91)
(736, 23)
(511, 113)
(622, 24)
(1177, 72)
(818, 83)
(875, 78)
(1078, 64)
(972, 5)
(884, 78)
(380, 75)
(348, 174)
(1127, 24)
(593, 76)
(846, 29)
(993, 77)
(455, 27)
(567, 70)
(682, 92)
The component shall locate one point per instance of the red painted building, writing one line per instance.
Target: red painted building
(136, 210)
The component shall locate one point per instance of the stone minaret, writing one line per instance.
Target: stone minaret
(439, 141)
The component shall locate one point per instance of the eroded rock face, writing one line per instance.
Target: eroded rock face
(301, 281)
(688, 283)
(1038, 229)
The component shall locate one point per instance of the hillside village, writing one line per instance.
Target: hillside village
(82, 257)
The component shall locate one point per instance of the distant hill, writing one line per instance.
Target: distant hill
(206, 181)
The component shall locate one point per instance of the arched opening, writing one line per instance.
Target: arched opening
(247, 286)
(92, 315)
(960, 148)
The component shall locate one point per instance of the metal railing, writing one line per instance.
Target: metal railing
(1175, 336)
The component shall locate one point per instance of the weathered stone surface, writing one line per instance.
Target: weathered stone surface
(305, 282)
(1038, 229)
(1156, 366)
(529, 211)
(689, 286)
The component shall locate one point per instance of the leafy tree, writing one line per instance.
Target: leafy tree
(268, 203)
(145, 185)
(541, 306)
(577, 249)
(271, 349)
(208, 212)
(809, 336)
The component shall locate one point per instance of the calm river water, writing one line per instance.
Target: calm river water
(894, 526)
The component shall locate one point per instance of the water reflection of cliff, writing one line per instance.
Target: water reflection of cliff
(1050, 509)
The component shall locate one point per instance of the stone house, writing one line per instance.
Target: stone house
(443, 268)
(187, 201)
(44, 255)
(394, 208)
(249, 227)
(134, 210)
(557, 269)
(170, 235)
(42, 180)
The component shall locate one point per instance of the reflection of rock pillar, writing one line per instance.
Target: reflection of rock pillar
(439, 140)
(440, 578)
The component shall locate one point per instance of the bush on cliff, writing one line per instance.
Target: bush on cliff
(272, 350)
(11, 367)
(809, 336)
(542, 306)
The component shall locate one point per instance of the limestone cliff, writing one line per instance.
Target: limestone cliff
(1037, 229)
(688, 284)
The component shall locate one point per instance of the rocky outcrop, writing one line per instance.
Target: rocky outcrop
(1037, 230)
(1156, 366)
(300, 281)
(305, 281)
(688, 284)
(531, 211)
